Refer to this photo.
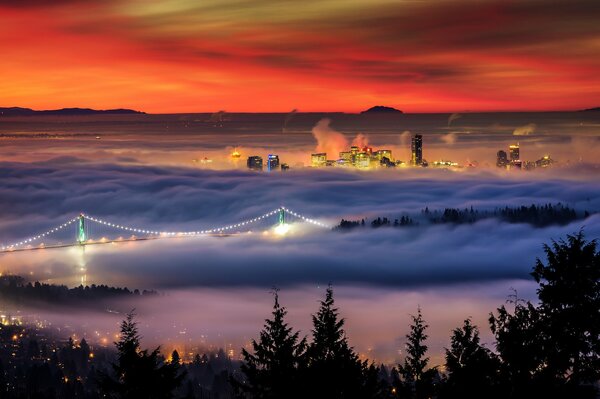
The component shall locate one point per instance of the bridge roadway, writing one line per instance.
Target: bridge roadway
(82, 237)
(111, 241)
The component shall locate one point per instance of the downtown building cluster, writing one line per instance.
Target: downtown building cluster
(367, 158)
(512, 160)
(357, 157)
(255, 162)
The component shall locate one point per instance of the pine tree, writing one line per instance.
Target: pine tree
(138, 373)
(520, 346)
(273, 369)
(569, 293)
(175, 358)
(334, 369)
(472, 369)
(416, 377)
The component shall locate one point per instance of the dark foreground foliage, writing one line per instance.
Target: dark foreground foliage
(550, 349)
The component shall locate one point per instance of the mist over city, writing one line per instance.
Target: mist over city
(271, 200)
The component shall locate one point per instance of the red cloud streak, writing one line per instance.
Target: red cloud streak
(322, 56)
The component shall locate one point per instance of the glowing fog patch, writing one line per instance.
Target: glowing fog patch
(282, 229)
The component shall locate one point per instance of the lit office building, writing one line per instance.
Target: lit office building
(516, 165)
(346, 156)
(501, 159)
(363, 160)
(544, 162)
(444, 164)
(380, 154)
(318, 160)
(417, 150)
(272, 162)
(513, 151)
(255, 162)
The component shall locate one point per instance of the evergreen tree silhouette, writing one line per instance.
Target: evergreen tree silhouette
(138, 373)
(272, 370)
(569, 293)
(334, 369)
(471, 368)
(417, 379)
(520, 346)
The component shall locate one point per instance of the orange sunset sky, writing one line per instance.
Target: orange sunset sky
(314, 55)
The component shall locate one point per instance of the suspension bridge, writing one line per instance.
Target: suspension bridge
(83, 237)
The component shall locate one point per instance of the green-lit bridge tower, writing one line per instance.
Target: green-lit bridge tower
(81, 236)
(281, 216)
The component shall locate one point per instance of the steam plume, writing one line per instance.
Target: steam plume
(329, 140)
(525, 130)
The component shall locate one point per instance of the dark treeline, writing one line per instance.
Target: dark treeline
(535, 215)
(17, 291)
(550, 349)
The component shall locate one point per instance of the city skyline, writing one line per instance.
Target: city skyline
(283, 199)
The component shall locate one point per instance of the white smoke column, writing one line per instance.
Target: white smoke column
(449, 138)
(328, 140)
(453, 117)
(288, 118)
(405, 138)
(361, 141)
(525, 130)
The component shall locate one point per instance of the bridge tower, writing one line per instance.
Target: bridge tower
(281, 216)
(81, 236)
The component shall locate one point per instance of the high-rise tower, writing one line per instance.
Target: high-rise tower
(417, 150)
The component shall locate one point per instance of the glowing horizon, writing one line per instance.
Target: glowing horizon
(177, 56)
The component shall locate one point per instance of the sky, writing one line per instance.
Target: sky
(175, 56)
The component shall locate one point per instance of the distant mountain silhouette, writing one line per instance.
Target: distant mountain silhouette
(380, 109)
(18, 111)
(592, 109)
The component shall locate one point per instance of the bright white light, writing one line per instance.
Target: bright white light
(282, 229)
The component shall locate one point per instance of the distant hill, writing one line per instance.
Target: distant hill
(18, 111)
(592, 109)
(380, 109)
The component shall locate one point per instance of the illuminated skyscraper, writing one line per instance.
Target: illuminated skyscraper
(363, 160)
(272, 162)
(544, 162)
(380, 154)
(255, 162)
(513, 150)
(318, 160)
(501, 159)
(417, 150)
(346, 156)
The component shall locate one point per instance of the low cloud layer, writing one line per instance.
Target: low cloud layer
(216, 288)
(186, 199)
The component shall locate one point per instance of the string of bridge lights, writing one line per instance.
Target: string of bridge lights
(181, 233)
(39, 236)
(308, 220)
(157, 232)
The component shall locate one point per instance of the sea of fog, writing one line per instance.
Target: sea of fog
(147, 171)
